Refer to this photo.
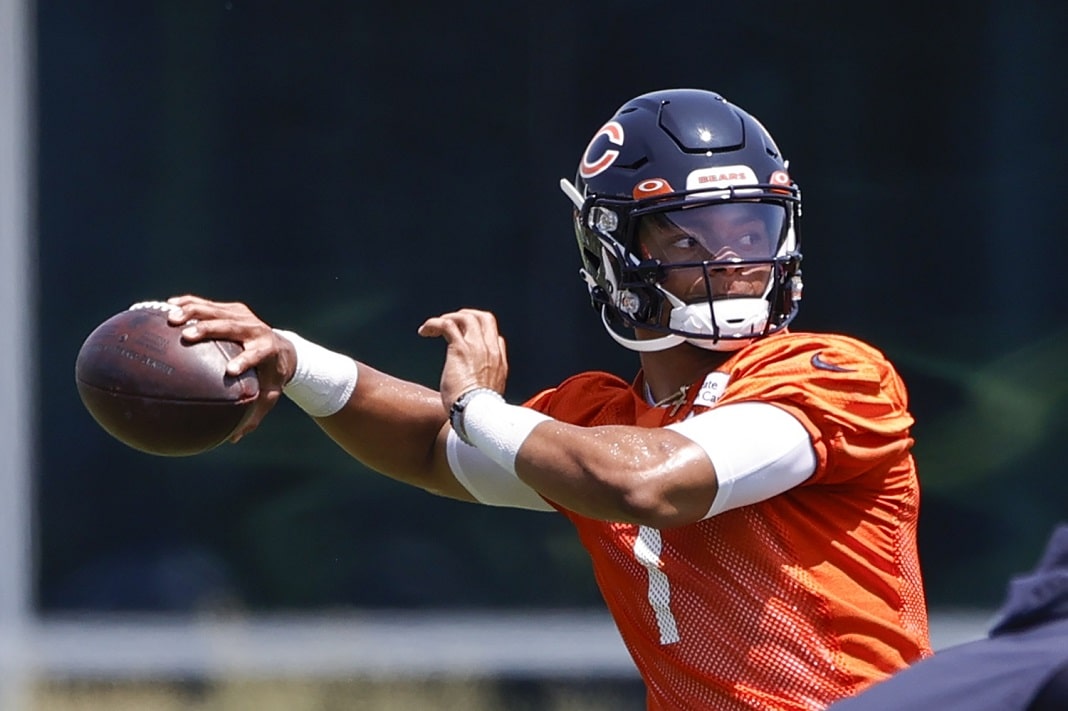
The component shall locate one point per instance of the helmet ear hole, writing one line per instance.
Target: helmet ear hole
(638, 303)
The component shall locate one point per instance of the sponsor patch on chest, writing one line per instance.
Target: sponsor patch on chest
(712, 389)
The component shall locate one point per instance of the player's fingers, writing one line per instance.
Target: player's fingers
(273, 357)
(491, 336)
(448, 326)
(199, 329)
(431, 328)
(482, 321)
(478, 327)
(256, 352)
(185, 306)
(481, 328)
(245, 360)
(264, 405)
(211, 323)
(195, 308)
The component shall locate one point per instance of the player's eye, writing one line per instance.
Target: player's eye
(685, 243)
(752, 241)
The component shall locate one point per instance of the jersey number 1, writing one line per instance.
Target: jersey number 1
(647, 547)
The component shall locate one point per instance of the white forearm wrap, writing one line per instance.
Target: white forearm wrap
(324, 380)
(499, 429)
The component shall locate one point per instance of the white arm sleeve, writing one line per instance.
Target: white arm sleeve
(487, 480)
(757, 449)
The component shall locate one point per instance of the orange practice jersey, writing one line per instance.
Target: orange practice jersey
(793, 602)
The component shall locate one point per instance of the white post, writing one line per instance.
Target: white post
(17, 306)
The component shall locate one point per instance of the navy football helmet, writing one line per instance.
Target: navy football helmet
(683, 187)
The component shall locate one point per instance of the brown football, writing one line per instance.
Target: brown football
(157, 393)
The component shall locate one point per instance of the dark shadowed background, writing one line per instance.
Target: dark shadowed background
(350, 168)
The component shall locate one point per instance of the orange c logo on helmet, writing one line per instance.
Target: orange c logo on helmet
(597, 165)
(780, 177)
(651, 188)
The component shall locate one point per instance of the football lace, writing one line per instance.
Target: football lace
(155, 305)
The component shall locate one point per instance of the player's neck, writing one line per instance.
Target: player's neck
(665, 372)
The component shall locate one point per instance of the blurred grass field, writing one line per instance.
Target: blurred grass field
(340, 695)
(343, 664)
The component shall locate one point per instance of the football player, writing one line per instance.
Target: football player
(749, 500)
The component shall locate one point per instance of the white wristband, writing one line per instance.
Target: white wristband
(324, 380)
(497, 428)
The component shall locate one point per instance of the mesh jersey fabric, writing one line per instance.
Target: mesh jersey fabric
(793, 602)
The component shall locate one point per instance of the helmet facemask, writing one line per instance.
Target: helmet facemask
(717, 269)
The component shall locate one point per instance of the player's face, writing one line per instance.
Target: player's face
(729, 232)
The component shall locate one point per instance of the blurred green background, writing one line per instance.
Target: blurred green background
(350, 168)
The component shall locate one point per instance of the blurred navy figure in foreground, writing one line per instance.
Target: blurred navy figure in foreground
(1021, 666)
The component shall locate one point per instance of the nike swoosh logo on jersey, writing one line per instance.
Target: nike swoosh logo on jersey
(818, 362)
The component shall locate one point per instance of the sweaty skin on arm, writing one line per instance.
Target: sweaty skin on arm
(654, 477)
(397, 428)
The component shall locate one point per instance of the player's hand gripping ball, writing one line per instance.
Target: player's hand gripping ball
(151, 390)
